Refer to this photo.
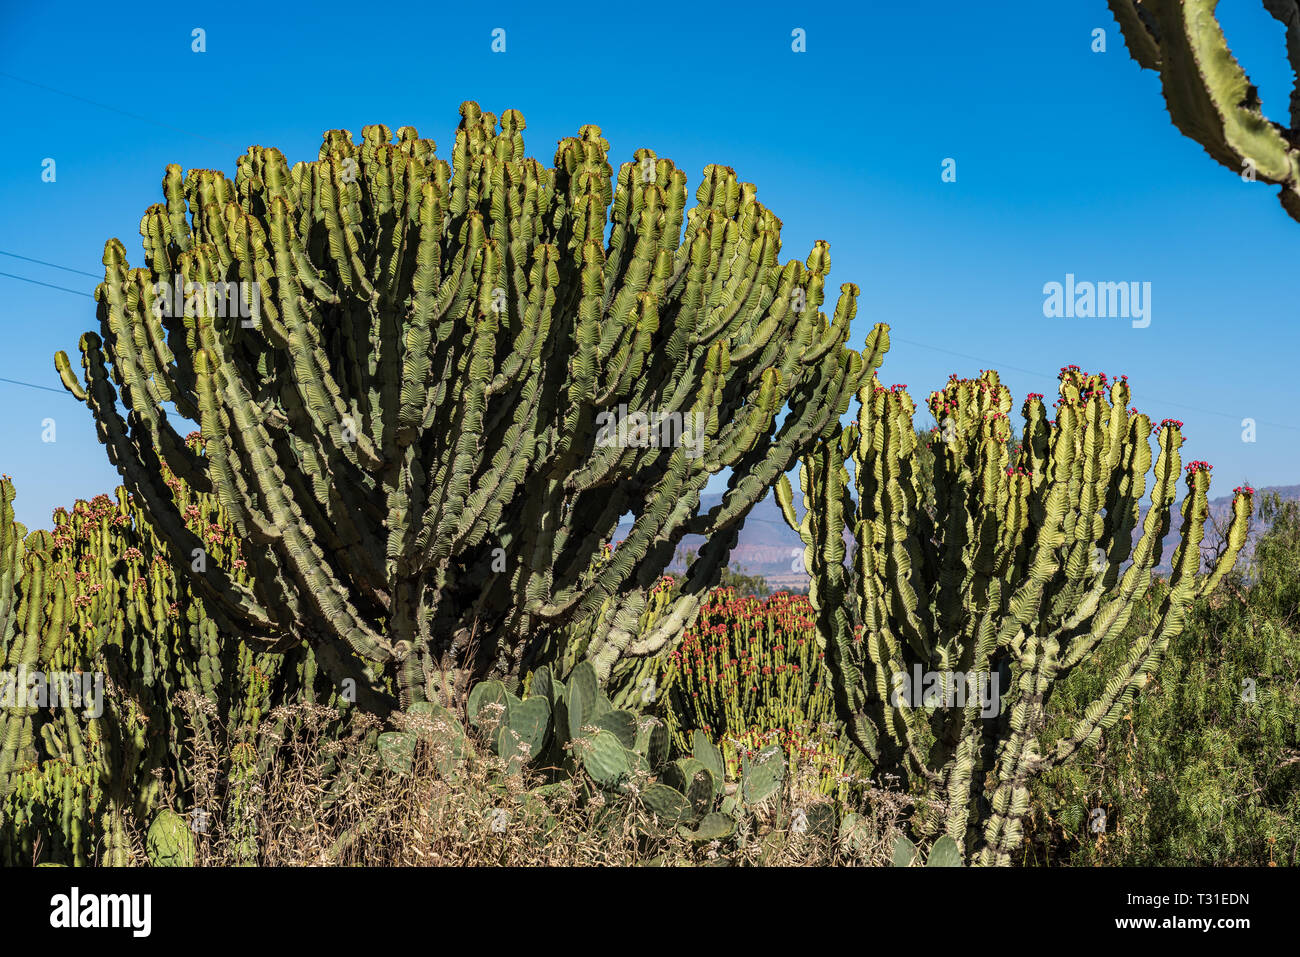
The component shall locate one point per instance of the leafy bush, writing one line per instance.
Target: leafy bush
(1197, 773)
(455, 801)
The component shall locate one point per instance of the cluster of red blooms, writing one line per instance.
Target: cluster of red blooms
(1018, 470)
(937, 404)
(738, 648)
(99, 507)
(1243, 488)
(1199, 466)
(790, 740)
(96, 510)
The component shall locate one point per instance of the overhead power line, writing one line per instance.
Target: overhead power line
(48, 285)
(33, 385)
(991, 363)
(104, 106)
(42, 262)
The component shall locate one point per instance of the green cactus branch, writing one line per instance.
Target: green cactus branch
(1210, 98)
(1032, 555)
(408, 418)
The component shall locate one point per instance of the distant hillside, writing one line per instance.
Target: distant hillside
(1220, 513)
(769, 547)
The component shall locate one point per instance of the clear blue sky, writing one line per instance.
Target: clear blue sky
(1066, 163)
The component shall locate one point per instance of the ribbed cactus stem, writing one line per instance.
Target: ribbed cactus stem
(100, 600)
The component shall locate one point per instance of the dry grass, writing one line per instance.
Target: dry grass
(313, 798)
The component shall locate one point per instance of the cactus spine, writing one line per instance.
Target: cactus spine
(414, 431)
(1024, 565)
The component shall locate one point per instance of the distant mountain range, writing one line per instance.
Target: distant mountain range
(1220, 514)
(769, 547)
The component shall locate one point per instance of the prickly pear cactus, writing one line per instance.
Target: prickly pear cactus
(169, 842)
(943, 853)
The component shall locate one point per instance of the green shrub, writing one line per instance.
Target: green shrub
(1197, 773)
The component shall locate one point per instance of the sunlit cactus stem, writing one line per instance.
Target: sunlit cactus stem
(1209, 96)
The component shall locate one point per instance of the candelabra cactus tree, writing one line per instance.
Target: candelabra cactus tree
(35, 611)
(441, 390)
(1025, 563)
(1210, 98)
(113, 676)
